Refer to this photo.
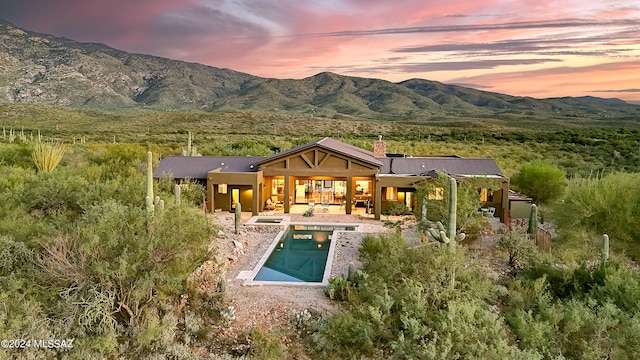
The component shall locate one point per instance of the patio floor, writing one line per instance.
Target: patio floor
(318, 209)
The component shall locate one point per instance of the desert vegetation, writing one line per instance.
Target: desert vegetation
(82, 257)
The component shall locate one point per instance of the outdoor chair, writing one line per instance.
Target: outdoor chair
(269, 205)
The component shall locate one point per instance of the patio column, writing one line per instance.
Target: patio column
(377, 202)
(349, 203)
(255, 200)
(505, 199)
(287, 193)
(210, 198)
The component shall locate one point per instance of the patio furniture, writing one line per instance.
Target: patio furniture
(278, 204)
(492, 211)
(269, 205)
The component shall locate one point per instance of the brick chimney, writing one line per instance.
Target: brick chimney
(379, 149)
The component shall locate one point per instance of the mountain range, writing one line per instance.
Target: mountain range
(45, 69)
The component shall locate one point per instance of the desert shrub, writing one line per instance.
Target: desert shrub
(471, 330)
(577, 313)
(346, 336)
(15, 257)
(338, 289)
(520, 248)
(18, 155)
(266, 345)
(117, 160)
(191, 191)
(23, 309)
(475, 227)
(56, 194)
(397, 208)
(541, 180)
(619, 285)
(576, 329)
(597, 205)
(395, 311)
(111, 276)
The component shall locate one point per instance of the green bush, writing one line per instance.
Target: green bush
(541, 180)
(112, 277)
(266, 346)
(578, 313)
(598, 205)
(18, 155)
(395, 310)
(191, 192)
(520, 248)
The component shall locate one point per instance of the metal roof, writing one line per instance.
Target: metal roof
(333, 145)
(450, 165)
(196, 167)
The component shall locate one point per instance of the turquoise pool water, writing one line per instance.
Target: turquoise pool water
(300, 255)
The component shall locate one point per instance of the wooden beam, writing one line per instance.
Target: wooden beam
(307, 160)
(324, 160)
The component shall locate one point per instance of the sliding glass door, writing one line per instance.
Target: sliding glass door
(320, 191)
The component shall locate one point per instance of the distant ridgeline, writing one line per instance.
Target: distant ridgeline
(45, 69)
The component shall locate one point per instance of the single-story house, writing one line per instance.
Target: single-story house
(328, 172)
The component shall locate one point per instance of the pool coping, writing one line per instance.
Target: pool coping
(248, 276)
(254, 220)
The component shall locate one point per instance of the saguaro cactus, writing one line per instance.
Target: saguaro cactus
(351, 272)
(453, 208)
(424, 209)
(238, 213)
(176, 192)
(604, 252)
(449, 236)
(150, 198)
(533, 220)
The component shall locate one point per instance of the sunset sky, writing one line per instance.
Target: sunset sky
(537, 48)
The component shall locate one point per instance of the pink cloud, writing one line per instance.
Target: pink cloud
(616, 78)
(292, 38)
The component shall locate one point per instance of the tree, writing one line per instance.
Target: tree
(541, 180)
(436, 192)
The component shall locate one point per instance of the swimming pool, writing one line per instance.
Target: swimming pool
(301, 254)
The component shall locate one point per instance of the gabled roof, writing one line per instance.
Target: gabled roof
(196, 167)
(332, 145)
(450, 165)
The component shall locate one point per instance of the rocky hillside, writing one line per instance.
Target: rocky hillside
(44, 69)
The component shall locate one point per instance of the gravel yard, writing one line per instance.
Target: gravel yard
(270, 306)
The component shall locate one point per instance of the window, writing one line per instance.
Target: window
(486, 195)
(436, 194)
(277, 186)
(391, 193)
(363, 187)
(222, 188)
